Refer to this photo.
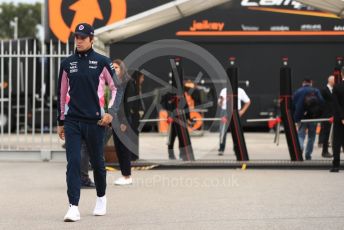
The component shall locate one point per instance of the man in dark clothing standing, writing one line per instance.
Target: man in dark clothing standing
(306, 104)
(178, 109)
(81, 115)
(327, 112)
(338, 124)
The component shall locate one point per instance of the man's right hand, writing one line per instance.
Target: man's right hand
(60, 132)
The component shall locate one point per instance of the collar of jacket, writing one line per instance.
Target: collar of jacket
(307, 85)
(83, 53)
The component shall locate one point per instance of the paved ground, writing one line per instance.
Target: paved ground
(153, 146)
(33, 196)
(260, 146)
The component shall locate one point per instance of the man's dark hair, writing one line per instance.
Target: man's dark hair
(307, 81)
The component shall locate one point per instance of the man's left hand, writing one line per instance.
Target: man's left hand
(106, 120)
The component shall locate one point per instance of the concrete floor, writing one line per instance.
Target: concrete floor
(33, 196)
(153, 146)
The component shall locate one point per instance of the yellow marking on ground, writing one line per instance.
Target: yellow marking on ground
(142, 168)
(110, 169)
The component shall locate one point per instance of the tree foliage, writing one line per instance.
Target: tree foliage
(29, 16)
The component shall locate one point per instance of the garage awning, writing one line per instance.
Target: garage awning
(332, 6)
(153, 18)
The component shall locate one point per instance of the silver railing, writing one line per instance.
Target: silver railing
(28, 79)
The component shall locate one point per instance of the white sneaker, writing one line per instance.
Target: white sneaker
(100, 208)
(73, 214)
(123, 181)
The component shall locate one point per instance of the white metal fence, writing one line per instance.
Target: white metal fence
(28, 78)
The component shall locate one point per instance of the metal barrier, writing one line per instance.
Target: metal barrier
(28, 78)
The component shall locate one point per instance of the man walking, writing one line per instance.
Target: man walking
(81, 115)
(307, 102)
(338, 124)
(327, 112)
(222, 101)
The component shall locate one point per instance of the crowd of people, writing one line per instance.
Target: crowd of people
(327, 105)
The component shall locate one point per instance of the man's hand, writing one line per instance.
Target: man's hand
(141, 113)
(343, 122)
(60, 132)
(241, 113)
(244, 108)
(106, 120)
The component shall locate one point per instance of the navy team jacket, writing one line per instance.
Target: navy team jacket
(81, 86)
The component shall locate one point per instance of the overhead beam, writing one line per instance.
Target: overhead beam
(153, 18)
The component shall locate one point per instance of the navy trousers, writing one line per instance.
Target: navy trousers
(93, 135)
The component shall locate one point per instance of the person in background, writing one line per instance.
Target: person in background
(139, 78)
(338, 124)
(222, 101)
(307, 102)
(139, 111)
(86, 181)
(327, 112)
(170, 103)
(125, 125)
(81, 115)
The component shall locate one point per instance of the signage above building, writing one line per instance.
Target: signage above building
(63, 16)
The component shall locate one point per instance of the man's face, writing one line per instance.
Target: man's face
(142, 79)
(331, 81)
(83, 43)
